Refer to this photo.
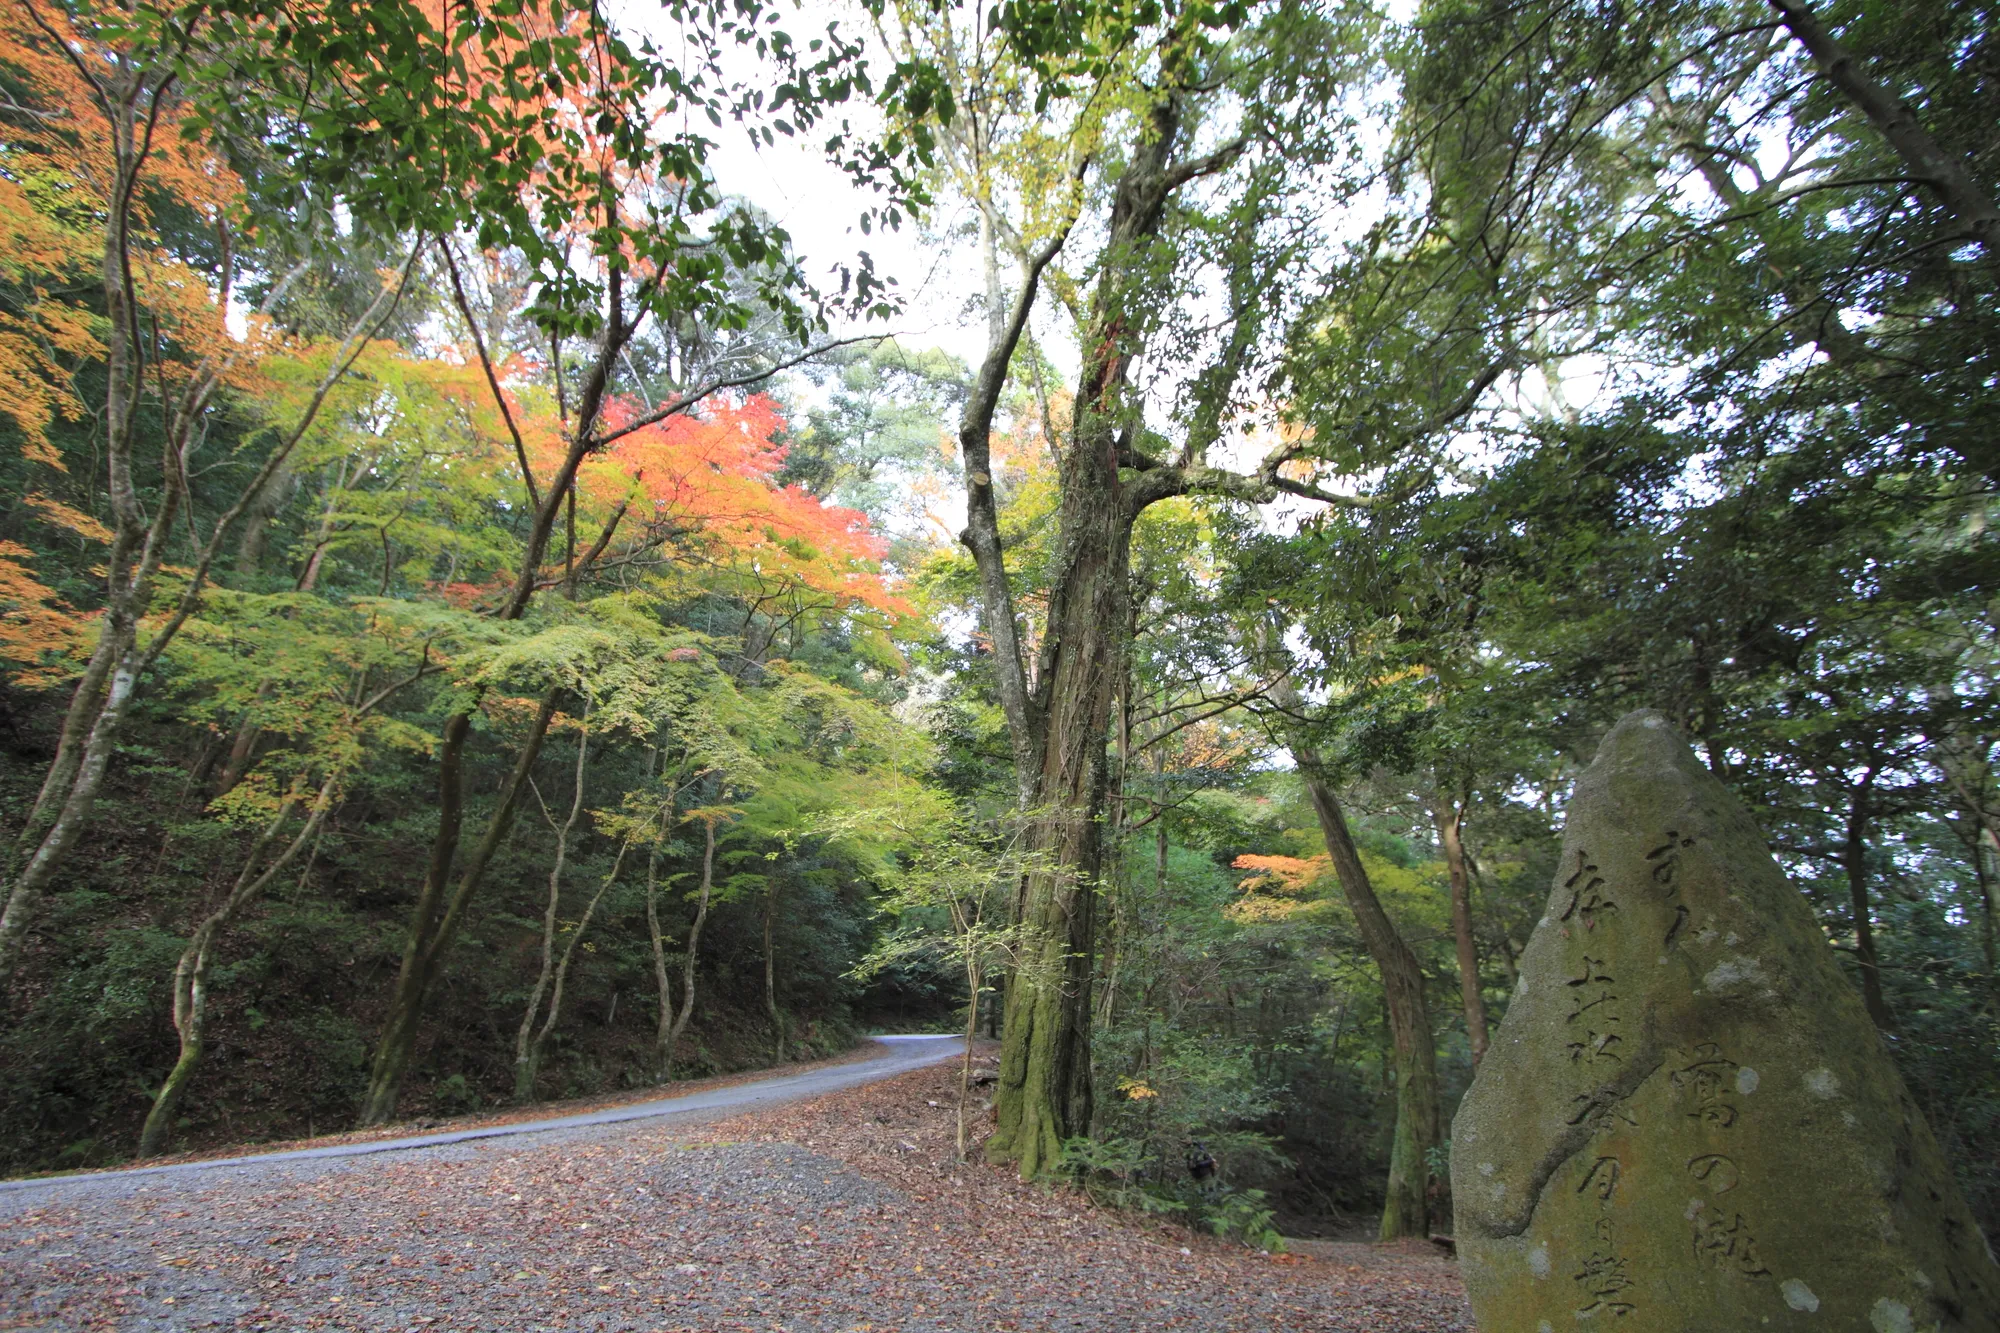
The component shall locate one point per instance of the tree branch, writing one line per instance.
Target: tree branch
(982, 526)
(1928, 160)
(492, 380)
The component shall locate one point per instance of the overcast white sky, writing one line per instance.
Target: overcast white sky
(816, 202)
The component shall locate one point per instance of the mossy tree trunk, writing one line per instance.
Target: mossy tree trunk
(1406, 1198)
(1058, 706)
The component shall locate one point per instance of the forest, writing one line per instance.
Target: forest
(489, 615)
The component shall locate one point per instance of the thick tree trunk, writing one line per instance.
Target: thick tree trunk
(1450, 818)
(1044, 1094)
(1061, 725)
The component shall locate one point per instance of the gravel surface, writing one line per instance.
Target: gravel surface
(844, 1214)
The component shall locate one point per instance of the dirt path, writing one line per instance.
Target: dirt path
(841, 1214)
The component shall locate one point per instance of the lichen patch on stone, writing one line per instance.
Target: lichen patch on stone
(1538, 1261)
(1891, 1317)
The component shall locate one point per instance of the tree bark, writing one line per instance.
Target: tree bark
(439, 913)
(526, 1048)
(1406, 1198)
(1450, 817)
(1929, 162)
(1060, 724)
(686, 1015)
(1854, 859)
(191, 974)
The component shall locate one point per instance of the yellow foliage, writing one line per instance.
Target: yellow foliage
(40, 636)
(58, 514)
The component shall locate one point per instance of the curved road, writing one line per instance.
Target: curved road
(677, 1215)
(899, 1055)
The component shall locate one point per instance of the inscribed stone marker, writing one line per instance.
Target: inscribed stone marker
(1686, 1120)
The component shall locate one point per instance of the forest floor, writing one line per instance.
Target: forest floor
(842, 1214)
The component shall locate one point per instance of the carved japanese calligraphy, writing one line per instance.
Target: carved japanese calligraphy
(1665, 861)
(1601, 1179)
(1588, 900)
(1723, 1238)
(1706, 1073)
(1685, 1120)
(1600, 1110)
(1603, 1278)
(1594, 1003)
(1715, 1171)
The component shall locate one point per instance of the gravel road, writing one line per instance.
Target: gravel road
(898, 1055)
(845, 1213)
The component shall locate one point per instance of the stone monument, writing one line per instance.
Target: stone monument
(1686, 1122)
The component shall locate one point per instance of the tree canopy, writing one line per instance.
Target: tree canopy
(486, 615)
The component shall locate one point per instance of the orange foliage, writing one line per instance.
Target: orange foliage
(57, 514)
(40, 636)
(1286, 875)
(1277, 889)
(709, 475)
(57, 170)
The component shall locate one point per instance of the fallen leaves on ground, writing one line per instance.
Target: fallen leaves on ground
(845, 1214)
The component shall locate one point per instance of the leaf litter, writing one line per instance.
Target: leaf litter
(843, 1214)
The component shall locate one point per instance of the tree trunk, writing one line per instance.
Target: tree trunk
(1406, 1199)
(527, 1050)
(663, 1032)
(1061, 728)
(1044, 1094)
(96, 715)
(438, 916)
(686, 1014)
(1450, 818)
(1854, 858)
(1988, 842)
(191, 974)
(436, 920)
(975, 982)
(771, 977)
(541, 1040)
(1928, 161)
